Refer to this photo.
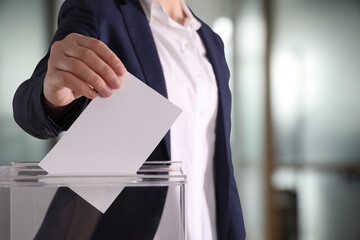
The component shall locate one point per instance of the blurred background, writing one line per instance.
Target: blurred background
(296, 106)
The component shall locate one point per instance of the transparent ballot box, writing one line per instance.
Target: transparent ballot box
(35, 205)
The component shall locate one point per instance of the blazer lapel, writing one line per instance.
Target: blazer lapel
(143, 42)
(215, 59)
(221, 157)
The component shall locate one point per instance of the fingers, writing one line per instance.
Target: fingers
(97, 56)
(83, 73)
(81, 66)
(78, 87)
(96, 65)
(88, 61)
(101, 50)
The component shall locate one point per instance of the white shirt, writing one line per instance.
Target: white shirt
(191, 85)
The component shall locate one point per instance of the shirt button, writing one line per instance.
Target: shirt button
(187, 46)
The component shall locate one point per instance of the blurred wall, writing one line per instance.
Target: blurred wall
(23, 43)
(316, 109)
(316, 80)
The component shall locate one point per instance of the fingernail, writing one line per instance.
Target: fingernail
(121, 70)
(116, 82)
(92, 94)
(106, 91)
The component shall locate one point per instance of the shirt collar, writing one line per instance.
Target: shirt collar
(154, 8)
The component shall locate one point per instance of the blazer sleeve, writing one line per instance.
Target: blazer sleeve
(75, 16)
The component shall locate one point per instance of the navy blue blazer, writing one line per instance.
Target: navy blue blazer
(123, 26)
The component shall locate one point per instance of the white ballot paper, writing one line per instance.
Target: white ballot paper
(113, 135)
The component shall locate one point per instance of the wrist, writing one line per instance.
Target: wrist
(51, 109)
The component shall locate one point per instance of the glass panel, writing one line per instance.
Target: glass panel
(36, 204)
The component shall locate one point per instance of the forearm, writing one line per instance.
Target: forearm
(30, 114)
(28, 110)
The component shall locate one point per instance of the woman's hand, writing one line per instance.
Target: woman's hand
(80, 66)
